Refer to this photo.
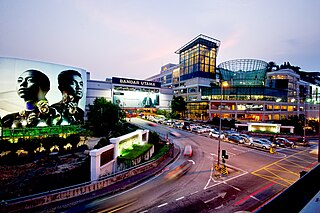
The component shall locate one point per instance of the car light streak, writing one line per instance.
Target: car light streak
(254, 193)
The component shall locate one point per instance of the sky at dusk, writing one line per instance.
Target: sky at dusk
(134, 38)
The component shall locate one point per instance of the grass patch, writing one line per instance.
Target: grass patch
(138, 150)
(161, 152)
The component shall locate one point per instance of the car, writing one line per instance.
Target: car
(259, 143)
(215, 134)
(235, 139)
(178, 125)
(174, 133)
(152, 124)
(179, 170)
(230, 132)
(206, 128)
(268, 142)
(201, 129)
(283, 142)
(192, 126)
(187, 151)
(247, 138)
(197, 129)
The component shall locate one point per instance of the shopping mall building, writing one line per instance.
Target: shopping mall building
(242, 89)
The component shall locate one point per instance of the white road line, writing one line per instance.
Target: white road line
(230, 153)
(179, 198)
(211, 185)
(192, 161)
(213, 154)
(232, 186)
(239, 149)
(194, 192)
(255, 198)
(164, 204)
(144, 211)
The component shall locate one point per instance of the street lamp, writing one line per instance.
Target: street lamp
(223, 84)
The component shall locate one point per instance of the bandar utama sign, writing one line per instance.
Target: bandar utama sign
(134, 82)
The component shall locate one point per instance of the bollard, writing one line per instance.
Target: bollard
(272, 150)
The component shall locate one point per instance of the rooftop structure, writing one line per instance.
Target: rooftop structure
(243, 71)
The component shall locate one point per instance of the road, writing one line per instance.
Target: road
(255, 176)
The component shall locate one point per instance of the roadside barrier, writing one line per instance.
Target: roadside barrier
(224, 170)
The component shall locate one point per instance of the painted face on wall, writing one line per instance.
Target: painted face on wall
(75, 86)
(27, 86)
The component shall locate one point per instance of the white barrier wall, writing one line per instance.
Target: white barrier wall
(139, 137)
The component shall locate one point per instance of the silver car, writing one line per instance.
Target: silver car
(260, 144)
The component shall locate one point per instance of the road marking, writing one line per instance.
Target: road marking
(164, 204)
(232, 186)
(219, 207)
(223, 194)
(194, 192)
(254, 193)
(192, 161)
(179, 198)
(213, 154)
(240, 150)
(211, 185)
(230, 153)
(255, 198)
(145, 211)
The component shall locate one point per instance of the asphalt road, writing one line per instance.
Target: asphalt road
(255, 176)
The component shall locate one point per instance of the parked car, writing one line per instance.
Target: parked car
(192, 126)
(235, 139)
(268, 142)
(178, 125)
(260, 144)
(283, 142)
(247, 138)
(230, 132)
(198, 129)
(206, 128)
(215, 134)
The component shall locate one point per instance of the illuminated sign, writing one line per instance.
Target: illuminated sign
(135, 82)
(37, 94)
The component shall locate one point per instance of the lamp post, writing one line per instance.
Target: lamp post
(223, 84)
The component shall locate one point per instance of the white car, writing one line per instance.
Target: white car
(214, 134)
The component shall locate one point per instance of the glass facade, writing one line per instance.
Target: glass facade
(254, 93)
(198, 110)
(241, 72)
(198, 58)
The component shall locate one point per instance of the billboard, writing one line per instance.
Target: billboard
(131, 93)
(41, 94)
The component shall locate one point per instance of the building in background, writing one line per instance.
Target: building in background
(132, 95)
(255, 91)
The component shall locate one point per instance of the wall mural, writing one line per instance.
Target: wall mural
(37, 94)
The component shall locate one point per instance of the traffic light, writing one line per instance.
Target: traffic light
(224, 154)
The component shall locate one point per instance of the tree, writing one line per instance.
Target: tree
(103, 117)
(271, 66)
(178, 104)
